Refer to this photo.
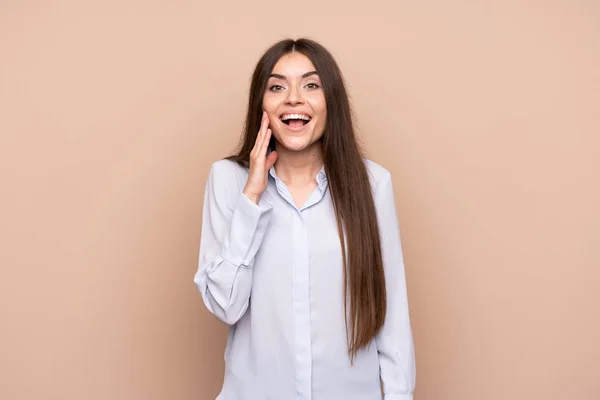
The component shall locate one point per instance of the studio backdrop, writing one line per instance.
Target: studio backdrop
(487, 114)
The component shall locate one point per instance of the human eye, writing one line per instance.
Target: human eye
(275, 88)
(312, 85)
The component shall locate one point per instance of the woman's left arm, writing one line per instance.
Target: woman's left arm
(394, 340)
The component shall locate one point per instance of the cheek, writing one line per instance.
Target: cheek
(321, 111)
(270, 104)
(319, 105)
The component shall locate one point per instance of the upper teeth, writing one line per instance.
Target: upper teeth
(295, 116)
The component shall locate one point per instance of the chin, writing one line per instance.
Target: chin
(294, 144)
(298, 140)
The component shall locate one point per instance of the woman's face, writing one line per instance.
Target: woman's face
(295, 102)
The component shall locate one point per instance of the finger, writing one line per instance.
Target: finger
(264, 124)
(264, 129)
(259, 138)
(265, 144)
(270, 160)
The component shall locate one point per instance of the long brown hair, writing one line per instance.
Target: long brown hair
(349, 186)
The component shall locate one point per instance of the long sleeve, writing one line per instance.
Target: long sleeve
(394, 341)
(232, 230)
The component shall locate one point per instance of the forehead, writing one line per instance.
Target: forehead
(293, 65)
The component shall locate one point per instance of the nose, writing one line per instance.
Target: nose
(294, 97)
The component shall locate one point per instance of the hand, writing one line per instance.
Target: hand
(260, 163)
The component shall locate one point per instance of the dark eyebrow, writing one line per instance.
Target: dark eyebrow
(306, 75)
(282, 77)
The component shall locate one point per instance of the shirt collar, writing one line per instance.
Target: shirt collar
(321, 176)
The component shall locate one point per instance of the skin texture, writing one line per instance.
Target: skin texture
(293, 88)
(298, 94)
(260, 163)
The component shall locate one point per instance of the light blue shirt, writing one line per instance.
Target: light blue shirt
(273, 272)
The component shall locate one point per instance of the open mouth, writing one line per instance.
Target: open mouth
(295, 120)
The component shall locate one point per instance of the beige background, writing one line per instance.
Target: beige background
(111, 112)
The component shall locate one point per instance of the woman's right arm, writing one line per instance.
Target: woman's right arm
(232, 230)
(234, 223)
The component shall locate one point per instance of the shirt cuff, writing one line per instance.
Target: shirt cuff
(246, 231)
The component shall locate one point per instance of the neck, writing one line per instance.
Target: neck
(298, 167)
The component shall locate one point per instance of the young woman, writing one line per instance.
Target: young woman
(300, 251)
